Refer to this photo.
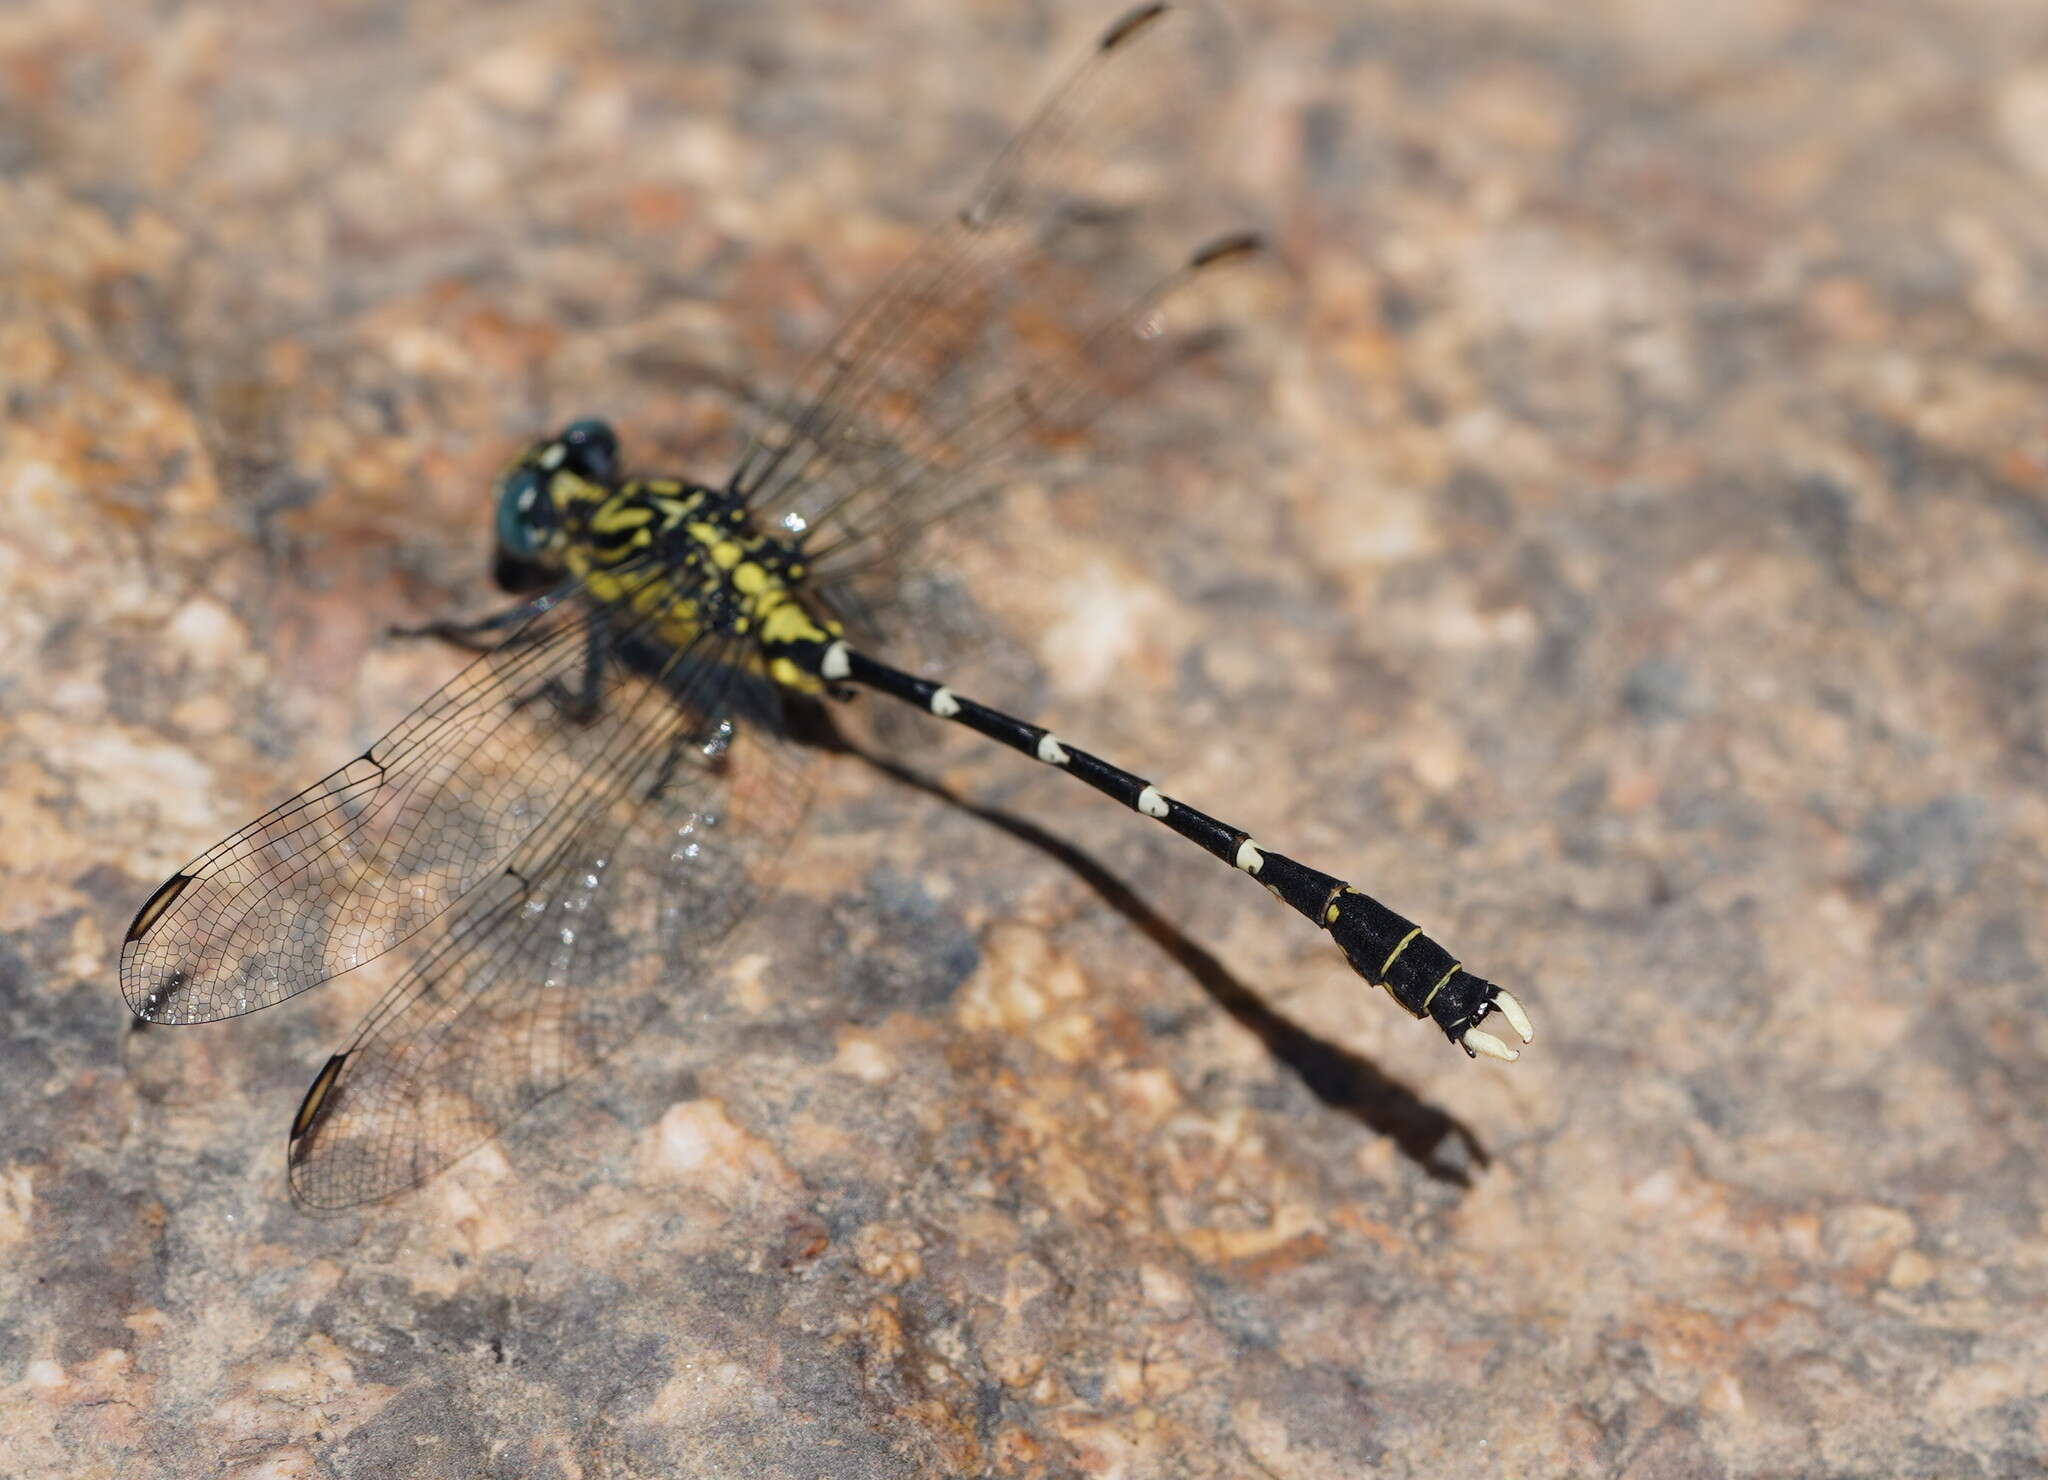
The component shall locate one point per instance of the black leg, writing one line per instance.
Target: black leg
(711, 756)
(1387, 950)
(580, 704)
(481, 635)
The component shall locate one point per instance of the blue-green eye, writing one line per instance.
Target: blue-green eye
(526, 515)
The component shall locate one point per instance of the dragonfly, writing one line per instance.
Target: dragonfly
(564, 833)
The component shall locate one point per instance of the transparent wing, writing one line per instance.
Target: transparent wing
(597, 921)
(1014, 325)
(367, 856)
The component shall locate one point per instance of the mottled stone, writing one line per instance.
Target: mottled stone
(1623, 552)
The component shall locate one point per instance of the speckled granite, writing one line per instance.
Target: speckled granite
(1634, 564)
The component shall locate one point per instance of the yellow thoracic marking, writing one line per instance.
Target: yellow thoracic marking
(567, 489)
(725, 552)
(783, 621)
(736, 574)
(618, 516)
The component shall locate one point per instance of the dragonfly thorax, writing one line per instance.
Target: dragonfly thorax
(682, 556)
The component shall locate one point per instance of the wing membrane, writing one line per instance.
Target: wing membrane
(1016, 323)
(582, 813)
(367, 856)
(594, 924)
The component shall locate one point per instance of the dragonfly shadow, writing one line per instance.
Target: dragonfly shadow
(1440, 1144)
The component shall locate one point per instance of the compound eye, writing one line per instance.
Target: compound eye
(591, 450)
(526, 515)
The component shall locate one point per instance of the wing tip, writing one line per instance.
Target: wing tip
(1130, 23)
(1227, 248)
(312, 1106)
(156, 906)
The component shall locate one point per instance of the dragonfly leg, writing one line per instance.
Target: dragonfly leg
(579, 705)
(688, 747)
(481, 634)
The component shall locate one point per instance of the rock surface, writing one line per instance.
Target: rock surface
(1630, 558)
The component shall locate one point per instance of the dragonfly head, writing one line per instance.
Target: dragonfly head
(582, 458)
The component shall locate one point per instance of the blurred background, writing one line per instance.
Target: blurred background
(1617, 542)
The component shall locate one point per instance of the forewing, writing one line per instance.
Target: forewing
(1014, 325)
(591, 928)
(367, 856)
